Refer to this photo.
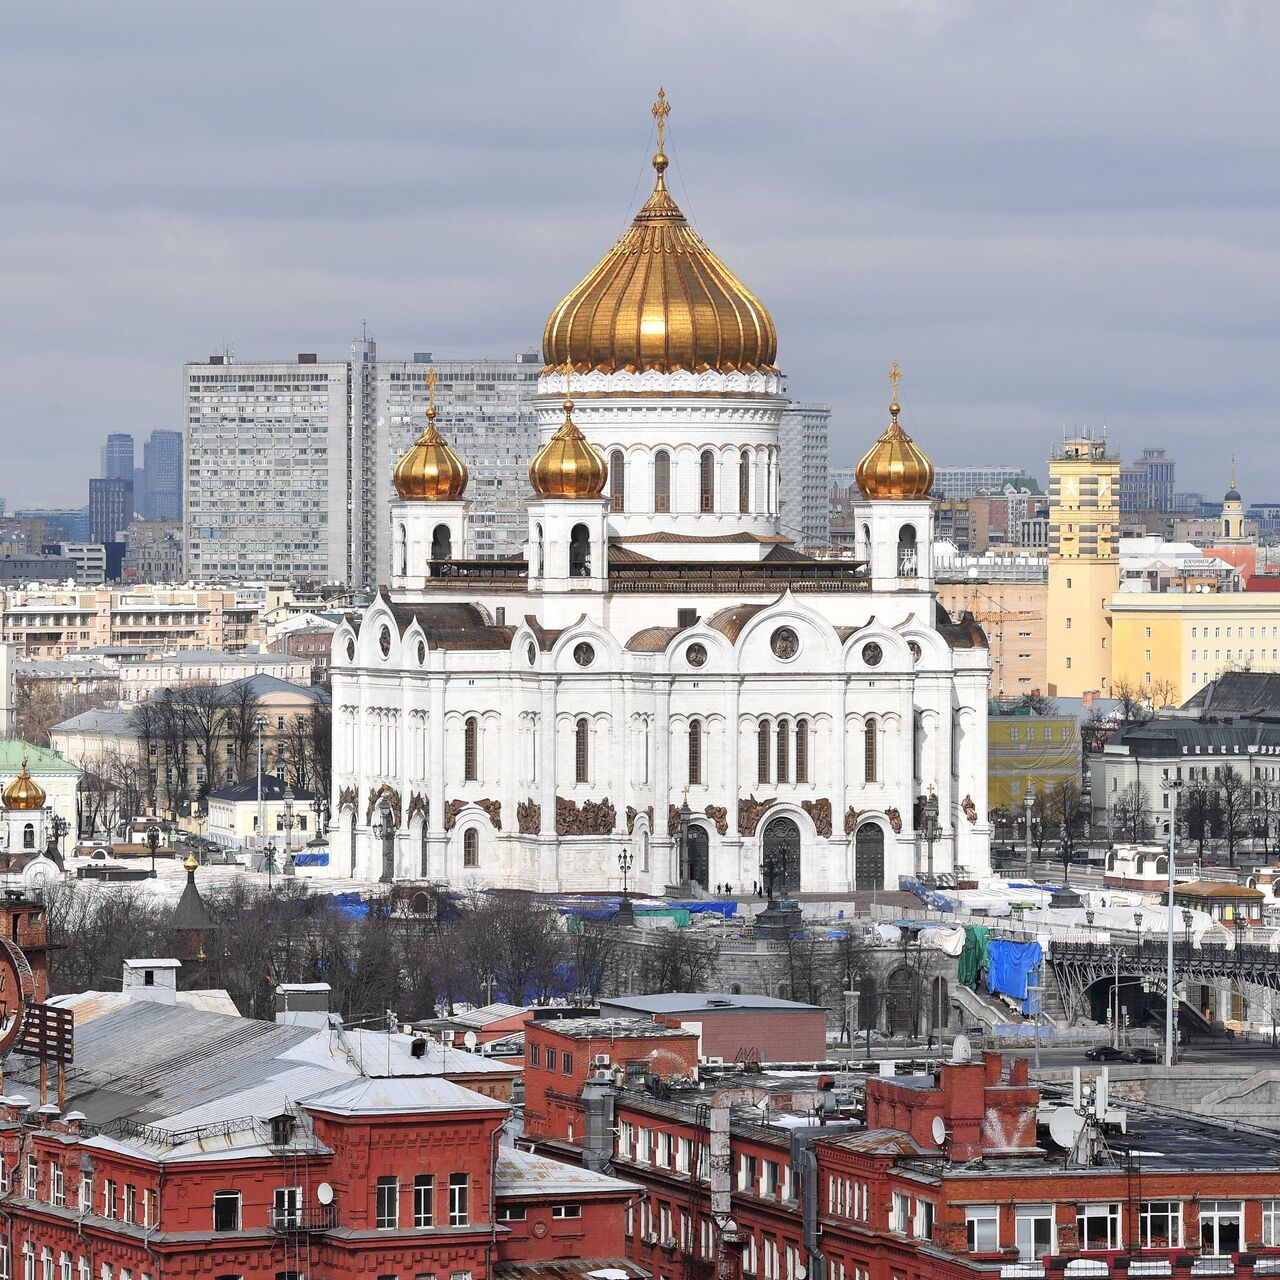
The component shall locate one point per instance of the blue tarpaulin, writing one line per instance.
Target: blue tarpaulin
(930, 897)
(311, 859)
(726, 909)
(1009, 964)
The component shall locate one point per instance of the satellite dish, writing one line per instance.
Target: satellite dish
(939, 1130)
(1064, 1127)
(324, 1193)
(470, 1040)
(961, 1049)
(801, 1271)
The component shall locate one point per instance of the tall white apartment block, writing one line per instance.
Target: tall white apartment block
(804, 461)
(267, 469)
(486, 412)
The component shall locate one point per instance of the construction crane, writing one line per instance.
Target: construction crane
(994, 612)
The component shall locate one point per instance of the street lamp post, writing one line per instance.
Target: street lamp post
(260, 723)
(930, 827)
(384, 831)
(625, 859)
(320, 807)
(153, 843)
(269, 861)
(1173, 786)
(685, 813)
(1028, 802)
(59, 830)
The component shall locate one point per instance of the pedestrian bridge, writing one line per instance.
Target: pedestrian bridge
(1078, 965)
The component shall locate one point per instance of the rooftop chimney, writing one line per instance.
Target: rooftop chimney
(303, 1004)
(154, 980)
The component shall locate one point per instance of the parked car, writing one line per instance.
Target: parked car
(1103, 1053)
(1140, 1053)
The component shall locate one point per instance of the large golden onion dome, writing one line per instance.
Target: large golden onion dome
(431, 471)
(568, 465)
(24, 792)
(895, 466)
(660, 299)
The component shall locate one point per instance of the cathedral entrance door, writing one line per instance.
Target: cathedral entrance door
(868, 855)
(699, 855)
(781, 857)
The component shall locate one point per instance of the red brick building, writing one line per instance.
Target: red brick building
(948, 1173)
(198, 1144)
(760, 1027)
(561, 1053)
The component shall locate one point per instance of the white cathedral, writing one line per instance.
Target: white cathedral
(662, 684)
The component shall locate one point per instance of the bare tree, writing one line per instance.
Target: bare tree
(1129, 812)
(41, 704)
(206, 717)
(677, 961)
(1197, 811)
(516, 939)
(593, 956)
(145, 725)
(1234, 804)
(241, 707)
(1134, 707)
(1162, 694)
(1067, 820)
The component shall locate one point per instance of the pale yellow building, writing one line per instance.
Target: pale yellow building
(1084, 569)
(1178, 643)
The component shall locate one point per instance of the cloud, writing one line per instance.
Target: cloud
(1047, 214)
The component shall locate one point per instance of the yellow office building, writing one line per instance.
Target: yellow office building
(1175, 644)
(1084, 568)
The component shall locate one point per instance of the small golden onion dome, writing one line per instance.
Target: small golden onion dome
(895, 466)
(660, 299)
(431, 471)
(24, 792)
(568, 465)
(190, 865)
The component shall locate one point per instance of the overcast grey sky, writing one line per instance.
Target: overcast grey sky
(1047, 213)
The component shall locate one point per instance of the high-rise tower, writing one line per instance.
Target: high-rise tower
(1084, 566)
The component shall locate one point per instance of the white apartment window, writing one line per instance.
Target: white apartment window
(982, 1228)
(226, 1209)
(424, 1188)
(286, 1207)
(32, 1187)
(459, 1207)
(387, 1207)
(899, 1212)
(748, 1173)
(1099, 1226)
(57, 1186)
(566, 1211)
(1270, 1222)
(1160, 1224)
(769, 1184)
(1221, 1226)
(1148, 633)
(664, 1150)
(626, 1139)
(109, 1201)
(922, 1227)
(684, 1154)
(1033, 1231)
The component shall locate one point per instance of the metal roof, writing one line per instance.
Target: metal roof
(522, 1173)
(700, 1002)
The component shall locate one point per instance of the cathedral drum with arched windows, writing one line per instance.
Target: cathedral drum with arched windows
(663, 688)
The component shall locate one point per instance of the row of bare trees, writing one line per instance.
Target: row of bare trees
(1227, 807)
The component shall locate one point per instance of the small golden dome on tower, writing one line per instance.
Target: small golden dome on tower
(568, 465)
(895, 466)
(431, 471)
(660, 299)
(24, 792)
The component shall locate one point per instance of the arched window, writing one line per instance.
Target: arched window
(644, 851)
(869, 752)
(471, 847)
(662, 481)
(744, 482)
(402, 543)
(768, 481)
(471, 750)
(762, 753)
(441, 543)
(582, 751)
(580, 552)
(707, 481)
(695, 753)
(29, 836)
(539, 558)
(908, 557)
(784, 751)
(617, 480)
(802, 751)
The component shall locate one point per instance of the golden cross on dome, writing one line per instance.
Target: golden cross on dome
(431, 391)
(568, 379)
(660, 111)
(895, 376)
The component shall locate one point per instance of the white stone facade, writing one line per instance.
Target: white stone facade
(526, 723)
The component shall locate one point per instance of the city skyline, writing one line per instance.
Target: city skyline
(1097, 256)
